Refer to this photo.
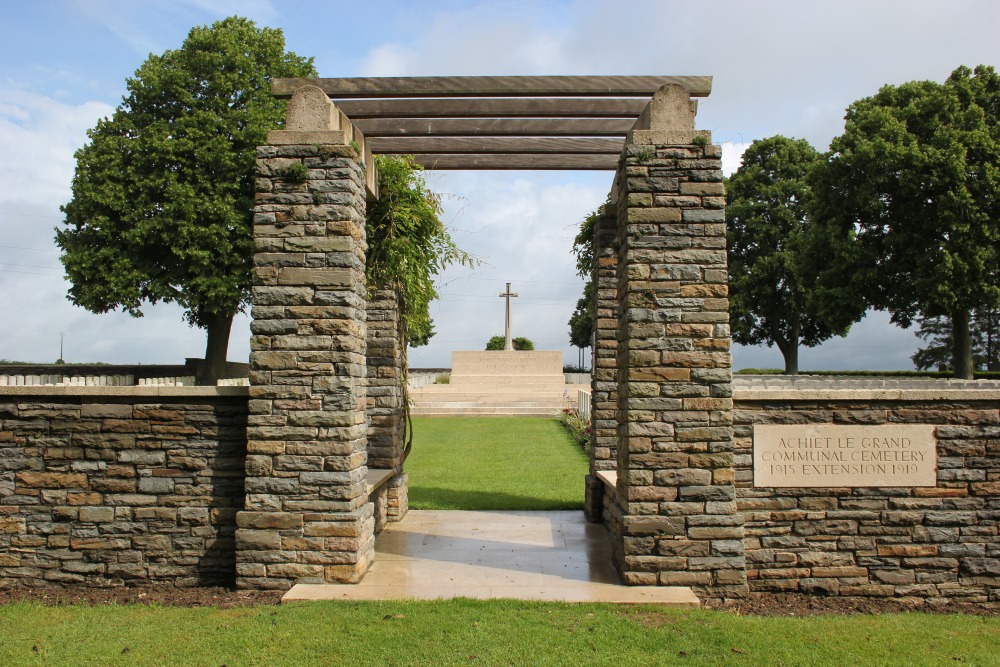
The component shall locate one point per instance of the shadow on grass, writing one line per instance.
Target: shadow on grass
(437, 498)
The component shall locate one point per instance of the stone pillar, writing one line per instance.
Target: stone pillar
(603, 378)
(678, 523)
(386, 397)
(307, 515)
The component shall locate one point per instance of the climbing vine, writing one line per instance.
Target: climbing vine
(408, 246)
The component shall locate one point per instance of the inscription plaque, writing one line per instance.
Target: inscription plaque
(810, 455)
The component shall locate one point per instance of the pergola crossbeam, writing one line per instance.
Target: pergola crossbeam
(495, 122)
(526, 145)
(494, 86)
(487, 127)
(528, 107)
(549, 161)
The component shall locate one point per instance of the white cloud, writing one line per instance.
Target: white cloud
(152, 26)
(732, 156)
(387, 60)
(38, 136)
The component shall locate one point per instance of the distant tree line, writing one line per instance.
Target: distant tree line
(499, 343)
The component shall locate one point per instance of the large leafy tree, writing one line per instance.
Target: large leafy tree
(581, 322)
(936, 332)
(770, 246)
(163, 192)
(912, 185)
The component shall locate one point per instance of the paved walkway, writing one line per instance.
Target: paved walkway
(521, 555)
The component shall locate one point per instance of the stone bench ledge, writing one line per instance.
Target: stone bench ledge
(609, 477)
(377, 477)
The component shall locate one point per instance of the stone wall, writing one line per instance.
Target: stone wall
(604, 380)
(933, 543)
(673, 517)
(386, 404)
(120, 486)
(309, 517)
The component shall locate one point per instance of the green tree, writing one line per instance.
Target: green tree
(984, 335)
(520, 343)
(768, 237)
(162, 198)
(408, 245)
(581, 322)
(912, 185)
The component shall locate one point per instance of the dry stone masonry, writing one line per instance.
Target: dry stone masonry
(934, 543)
(308, 517)
(104, 488)
(604, 374)
(386, 404)
(673, 516)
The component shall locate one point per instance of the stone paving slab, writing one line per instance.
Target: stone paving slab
(553, 556)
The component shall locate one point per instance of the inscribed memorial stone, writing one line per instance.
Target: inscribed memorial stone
(827, 455)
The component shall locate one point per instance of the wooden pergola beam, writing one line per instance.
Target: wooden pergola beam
(498, 145)
(495, 86)
(484, 161)
(494, 108)
(473, 127)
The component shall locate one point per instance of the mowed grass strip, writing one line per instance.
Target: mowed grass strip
(473, 632)
(494, 463)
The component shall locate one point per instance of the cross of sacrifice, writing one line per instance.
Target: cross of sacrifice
(508, 343)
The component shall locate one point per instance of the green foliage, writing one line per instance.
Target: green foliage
(443, 378)
(408, 245)
(494, 463)
(583, 244)
(769, 244)
(578, 427)
(520, 343)
(296, 173)
(162, 197)
(581, 322)
(911, 187)
(984, 333)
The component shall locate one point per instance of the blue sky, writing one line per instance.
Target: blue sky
(779, 67)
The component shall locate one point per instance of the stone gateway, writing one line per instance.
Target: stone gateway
(830, 486)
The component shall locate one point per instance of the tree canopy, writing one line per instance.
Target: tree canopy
(912, 187)
(408, 245)
(581, 322)
(768, 231)
(936, 332)
(162, 197)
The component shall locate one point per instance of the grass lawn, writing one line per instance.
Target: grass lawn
(471, 463)
(494, 463)
(465, 632)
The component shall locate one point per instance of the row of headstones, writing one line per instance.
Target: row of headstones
(92, 381)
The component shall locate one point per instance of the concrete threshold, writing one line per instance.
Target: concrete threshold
(551, 556)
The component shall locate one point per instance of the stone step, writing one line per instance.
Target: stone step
(483, 410)
(492, 398)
